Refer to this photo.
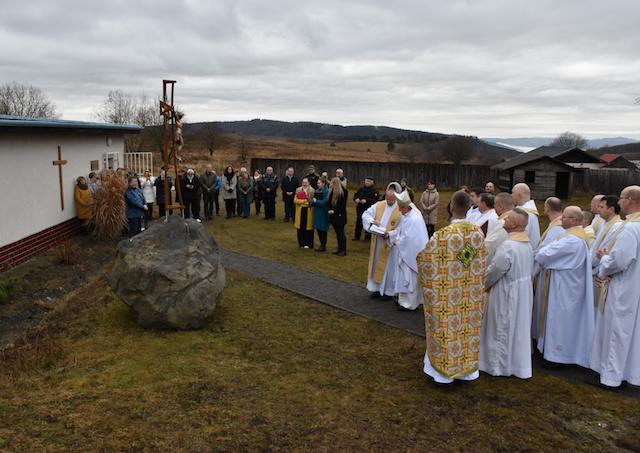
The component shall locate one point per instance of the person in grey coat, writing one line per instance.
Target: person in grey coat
(245, 192)
(229, 191)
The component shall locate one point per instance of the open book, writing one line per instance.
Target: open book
(375, 229)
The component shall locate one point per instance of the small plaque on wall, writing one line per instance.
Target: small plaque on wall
(95, 165)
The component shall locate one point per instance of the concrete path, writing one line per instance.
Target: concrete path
(355, 299)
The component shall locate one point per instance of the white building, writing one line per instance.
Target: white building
(38, 206)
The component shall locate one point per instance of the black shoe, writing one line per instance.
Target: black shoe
(401, 308)
(375, 295)
(321, 249)
(341, 253)
(385, 298)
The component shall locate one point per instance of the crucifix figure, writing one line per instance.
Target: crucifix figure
(60, 163)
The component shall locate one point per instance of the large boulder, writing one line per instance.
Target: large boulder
(170, 274)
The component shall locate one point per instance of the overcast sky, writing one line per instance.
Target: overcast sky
(504, 68)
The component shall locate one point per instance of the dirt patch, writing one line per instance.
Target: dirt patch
(38, 284)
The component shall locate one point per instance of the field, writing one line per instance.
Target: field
(273, 371)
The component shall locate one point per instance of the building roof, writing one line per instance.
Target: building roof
(527, 158)
(26, 122)
(608, 158)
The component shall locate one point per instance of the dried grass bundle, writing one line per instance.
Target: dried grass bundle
(68, 253)
(109, 219)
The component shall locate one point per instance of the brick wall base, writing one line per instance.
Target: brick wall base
(20, 251)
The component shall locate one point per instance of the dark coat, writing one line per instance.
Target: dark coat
(339, 216)
(313, 180)
(159, 184)
(370, 194)
(289, 185)
(269, 182)
(190, 193)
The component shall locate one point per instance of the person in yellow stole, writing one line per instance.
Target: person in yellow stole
(380, 219)
(451, 270)
(304, 214)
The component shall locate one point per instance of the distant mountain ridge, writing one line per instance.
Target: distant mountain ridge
(529, 143)
(306, 130)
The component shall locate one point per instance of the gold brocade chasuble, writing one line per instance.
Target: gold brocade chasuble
(381, 261)
(451, 270)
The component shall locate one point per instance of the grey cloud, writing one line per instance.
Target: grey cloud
(494, 67)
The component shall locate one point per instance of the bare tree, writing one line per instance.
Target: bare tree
(212, 137)
(25, 100)
(123, 108)
(457, 149)
(570, 140)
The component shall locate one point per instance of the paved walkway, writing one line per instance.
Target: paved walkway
(355, 299)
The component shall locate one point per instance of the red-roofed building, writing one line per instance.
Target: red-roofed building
(616, 161)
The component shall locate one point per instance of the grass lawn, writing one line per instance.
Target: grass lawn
(275, 372)
(277, 241)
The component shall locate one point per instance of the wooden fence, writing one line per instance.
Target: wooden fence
(610, 181)
(446, 176)
(138, 162)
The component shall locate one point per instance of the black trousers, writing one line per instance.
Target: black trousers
(258, 204)
(192, 207)
(230, 207)
(216, 201)
(342, 239)
(207, 197)
(322, 235)
(289, 207)
(359, 226)
(148, 215)
(269, 207)
(431, 229)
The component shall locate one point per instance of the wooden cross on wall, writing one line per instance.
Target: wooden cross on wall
(60, 163)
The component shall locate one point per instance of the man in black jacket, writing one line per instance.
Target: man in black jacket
(208, 182)
(365, 197)
(289, 185)
(312, 177)
(269, 185)
(190, 186)
(159, 184)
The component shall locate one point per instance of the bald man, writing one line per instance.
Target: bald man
(522, 198)
(616, 345)
(505, 345)
(553, 211)
(566, 309)
(597, 220)
(496, 234)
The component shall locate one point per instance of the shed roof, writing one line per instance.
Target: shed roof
(26, 122)
(526, 159)
(608, 158)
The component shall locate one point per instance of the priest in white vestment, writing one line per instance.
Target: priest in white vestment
(486, 203)
(609, 211)
(597, 219)
(383, 217)
(409, 239)
(567, 318)
(616, 344)
(522, 198)
(553, 211)
(496, 234)
(505, 344)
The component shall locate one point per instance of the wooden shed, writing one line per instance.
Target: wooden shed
(546, 176)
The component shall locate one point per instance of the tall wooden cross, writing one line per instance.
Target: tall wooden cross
(60, 163)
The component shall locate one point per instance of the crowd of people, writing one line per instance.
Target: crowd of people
(498, 286)
(493, 287)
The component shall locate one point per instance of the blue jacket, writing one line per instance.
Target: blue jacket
(134, 203)
(320, 210)
(218, 184)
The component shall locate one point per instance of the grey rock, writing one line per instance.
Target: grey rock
(170, 274)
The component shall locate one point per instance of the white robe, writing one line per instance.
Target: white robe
(473, 214)
(569, 324)
(496, 235)
(410, 237)
(387, 285)
(488, 216)
(616, 345)
(505, 345)
(602, 240)
(431, 371)
(533, 227)
(538, 277)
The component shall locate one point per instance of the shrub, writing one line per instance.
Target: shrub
(109, 219)
(7, 286)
